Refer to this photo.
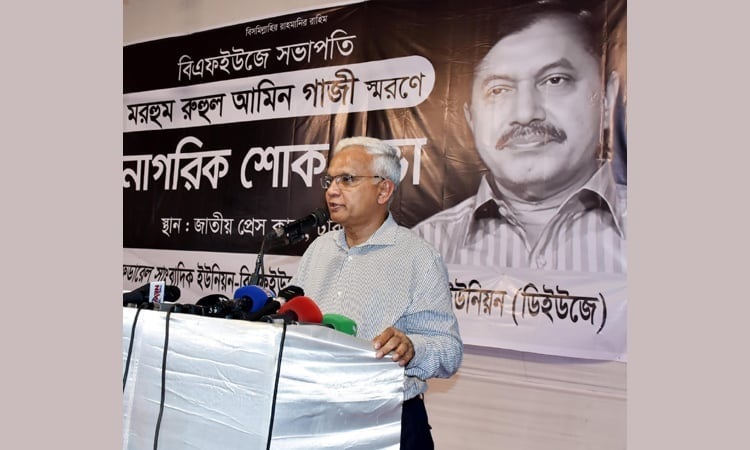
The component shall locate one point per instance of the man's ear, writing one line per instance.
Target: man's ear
(610, 97)
(385, 191)
(467, 116)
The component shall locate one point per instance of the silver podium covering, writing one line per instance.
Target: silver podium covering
(219, 384)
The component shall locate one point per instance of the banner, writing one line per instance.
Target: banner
(226, 133)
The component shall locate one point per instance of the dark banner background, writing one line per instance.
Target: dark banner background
(450, 34)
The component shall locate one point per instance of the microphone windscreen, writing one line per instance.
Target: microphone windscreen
(216, 305)
(259, 296)
(304, 308)
(137, 295)
(134, 296)
(340, 323)
(171, 293)
(321, 216)
(156, 291)
(289, 292)
(211, 300)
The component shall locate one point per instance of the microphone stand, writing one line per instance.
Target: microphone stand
(292, 238)
(258, 274)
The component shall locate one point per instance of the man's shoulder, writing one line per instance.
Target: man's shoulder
(326, 239)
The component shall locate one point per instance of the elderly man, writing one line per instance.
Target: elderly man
(393, 284)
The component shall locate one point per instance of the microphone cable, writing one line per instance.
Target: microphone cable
(163, 377)
(130, 347)
(276, 385)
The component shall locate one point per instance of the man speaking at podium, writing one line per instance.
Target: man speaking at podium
(392, 283)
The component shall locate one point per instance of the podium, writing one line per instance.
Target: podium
(230, 384)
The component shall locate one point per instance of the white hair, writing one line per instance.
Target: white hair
(386, 158)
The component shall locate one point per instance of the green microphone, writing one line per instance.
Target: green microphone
(340, 323)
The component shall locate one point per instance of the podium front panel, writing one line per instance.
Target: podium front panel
(218, 389)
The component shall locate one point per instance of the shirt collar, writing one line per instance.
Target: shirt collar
(385, 235)
(602, 186)
(600, 191)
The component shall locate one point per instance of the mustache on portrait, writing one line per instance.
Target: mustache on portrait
(550, 133)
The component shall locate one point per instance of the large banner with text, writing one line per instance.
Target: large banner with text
(226, 134)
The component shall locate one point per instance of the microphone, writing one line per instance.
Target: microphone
(288, 293)
(271, 307)
(298, 230)
(153, 292)
(188, 308)
(340, 323)
(216, 305)
(251, 298)
(298, 309)
(274, 304)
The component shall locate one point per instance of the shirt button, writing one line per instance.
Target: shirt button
(349, 258)
(338, 293)
(503, 210)
(541, 261)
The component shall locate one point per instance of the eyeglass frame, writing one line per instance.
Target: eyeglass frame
(326, 181)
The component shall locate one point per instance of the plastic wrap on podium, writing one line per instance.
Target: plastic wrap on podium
(218, 390)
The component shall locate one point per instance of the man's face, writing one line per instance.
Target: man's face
(536, 109)
(355, 205)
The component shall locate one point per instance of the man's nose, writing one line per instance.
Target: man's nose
(333, 190)
(528, 105)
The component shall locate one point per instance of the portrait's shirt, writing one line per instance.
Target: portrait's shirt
(586, 232)
(392, 279)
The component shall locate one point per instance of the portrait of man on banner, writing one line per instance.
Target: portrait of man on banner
(539, 112)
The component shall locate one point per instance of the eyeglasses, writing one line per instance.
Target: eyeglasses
(344, 180)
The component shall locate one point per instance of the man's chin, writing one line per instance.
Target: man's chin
(337, 215)
(527, 181)
(525, 166)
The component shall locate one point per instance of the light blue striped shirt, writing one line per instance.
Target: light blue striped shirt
(586, 233)
(393, 279)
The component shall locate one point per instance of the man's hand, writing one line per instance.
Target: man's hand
(392, 339)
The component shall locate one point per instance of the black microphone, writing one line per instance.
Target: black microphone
(299, 230)
(151, 293)
(288, 293)
(271, 307)
(216, 305)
